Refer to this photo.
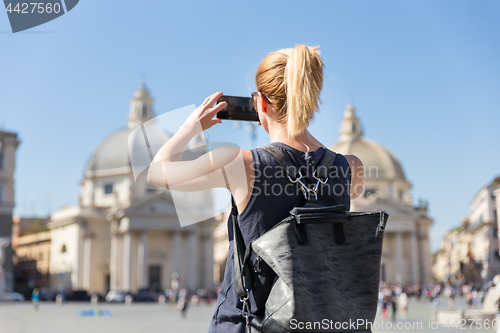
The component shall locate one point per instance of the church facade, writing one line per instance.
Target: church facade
(125, 234)
(406, 256)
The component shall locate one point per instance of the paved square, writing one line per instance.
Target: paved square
(137, 318)
(154, 318)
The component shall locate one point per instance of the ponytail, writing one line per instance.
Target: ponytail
(304, 81)
(292, 79)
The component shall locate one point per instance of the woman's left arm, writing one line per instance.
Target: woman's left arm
(357, 174)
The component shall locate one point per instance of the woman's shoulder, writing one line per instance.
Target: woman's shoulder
(353, 161)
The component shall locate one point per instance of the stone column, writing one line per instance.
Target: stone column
(192, 261)
(77, 277)
(113, 260)
(177, 252)
(4, 242)
(413, 256)
(126, 266)
(399, 258)
(208, 258)
(87, 259)
(142, 263)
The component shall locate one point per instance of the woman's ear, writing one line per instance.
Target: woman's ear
(263, 103)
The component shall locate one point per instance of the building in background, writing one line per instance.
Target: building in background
(469, 253)
(8, 146)
(450, 261)
(496, 194)
(125, 233)
(484, 226)
(31, 245)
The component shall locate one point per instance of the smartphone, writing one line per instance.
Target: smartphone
(238, 108)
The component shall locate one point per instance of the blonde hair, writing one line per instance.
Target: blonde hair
(292, 80)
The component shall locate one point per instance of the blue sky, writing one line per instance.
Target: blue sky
(424, 77)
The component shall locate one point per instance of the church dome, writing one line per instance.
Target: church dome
(113, 152)
(378, 161)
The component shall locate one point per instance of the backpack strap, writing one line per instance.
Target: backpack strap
(324, 165)
(293, 172)
(242, 277)
(286, 163)
(241, 271)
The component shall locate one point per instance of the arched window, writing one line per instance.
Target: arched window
(63, 249)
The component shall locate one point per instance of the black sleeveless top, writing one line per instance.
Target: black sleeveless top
(272, 198)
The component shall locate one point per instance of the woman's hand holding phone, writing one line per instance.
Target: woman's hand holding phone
(204, 114)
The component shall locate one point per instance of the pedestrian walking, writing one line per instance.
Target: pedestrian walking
(394, 306)
(469, 298)
(450, 293)
(385, 309)
(403, 304)
(35, 298)
(183, 303)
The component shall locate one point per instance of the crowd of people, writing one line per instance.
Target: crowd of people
(394, 298)
(182, 298)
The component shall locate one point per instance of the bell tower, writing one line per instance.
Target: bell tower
(141, 107)
(350, 128)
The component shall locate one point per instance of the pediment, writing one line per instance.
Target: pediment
(391, 206)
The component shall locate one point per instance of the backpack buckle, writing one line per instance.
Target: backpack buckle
(310, 191)
(245, 310)
(319, 178)
(296, 179)
(306, 190)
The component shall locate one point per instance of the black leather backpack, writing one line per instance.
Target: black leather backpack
(326, 260)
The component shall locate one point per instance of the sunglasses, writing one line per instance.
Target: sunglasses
(255, 95)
